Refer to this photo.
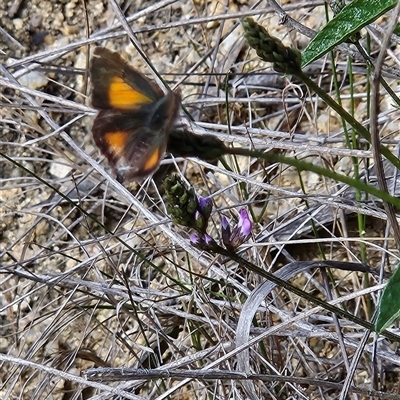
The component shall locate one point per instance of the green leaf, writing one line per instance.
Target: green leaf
(349, 21)
(389, 305)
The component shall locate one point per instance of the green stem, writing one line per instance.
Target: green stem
(306, 166)
(344, 114)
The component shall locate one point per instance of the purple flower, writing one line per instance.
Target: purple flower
(202, 214)
(225, 230)
(208, 240)
(204, 206)
(194, 239)
(202, 241)
(244, 224)
(233, 238)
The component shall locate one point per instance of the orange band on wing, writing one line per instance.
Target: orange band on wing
(123, 96)
(116, 140)
(153, 160)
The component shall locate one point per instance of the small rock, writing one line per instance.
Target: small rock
(59, 170)
(33, 80)
(18, 24)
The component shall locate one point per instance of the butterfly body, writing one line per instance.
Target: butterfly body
(134, 116)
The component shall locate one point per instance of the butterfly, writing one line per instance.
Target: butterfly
(135, 117)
